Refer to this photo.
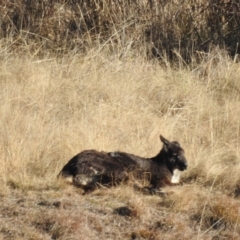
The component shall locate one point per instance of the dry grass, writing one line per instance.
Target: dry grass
(146, 27)
(53, 108)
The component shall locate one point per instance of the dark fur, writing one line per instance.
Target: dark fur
(91, 167)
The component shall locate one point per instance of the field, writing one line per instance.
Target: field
(114, 75)
(53, 108)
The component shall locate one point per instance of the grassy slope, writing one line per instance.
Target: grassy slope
(52, 109)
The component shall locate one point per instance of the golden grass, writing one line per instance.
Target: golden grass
(53, 108)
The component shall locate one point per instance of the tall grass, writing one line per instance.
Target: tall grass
(152, 28)
(53, 108)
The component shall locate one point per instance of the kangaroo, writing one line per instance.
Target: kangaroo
(90, 167)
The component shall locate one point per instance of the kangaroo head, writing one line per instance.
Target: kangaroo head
(174, 155)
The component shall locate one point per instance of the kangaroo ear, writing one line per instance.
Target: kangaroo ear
(164, 141)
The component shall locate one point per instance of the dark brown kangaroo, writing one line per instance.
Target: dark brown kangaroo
(90, 167)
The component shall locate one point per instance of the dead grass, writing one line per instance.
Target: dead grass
(163, 29)
(53, 108)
